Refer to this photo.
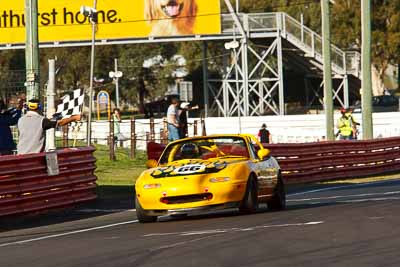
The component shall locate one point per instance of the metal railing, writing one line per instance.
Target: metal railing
(296, 33)
(27, 187)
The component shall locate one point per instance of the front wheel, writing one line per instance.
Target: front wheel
(249, 203)
(278, 201)
(141, 214)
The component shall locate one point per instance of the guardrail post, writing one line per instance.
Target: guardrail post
(312, 45)
(133, 138)
(152, 130)
(279, 21)
(246, 24)
(302, 28)
(111, 140)
(203, 126)
(195, 128)
(65, 135)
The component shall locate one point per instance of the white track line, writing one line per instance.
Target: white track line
(66, 233)
(345, 196)
(339, 187)
(230, 230)
(104, 210)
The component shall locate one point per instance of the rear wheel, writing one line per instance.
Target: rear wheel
(278, 201)
(249, 203)
(141, 214)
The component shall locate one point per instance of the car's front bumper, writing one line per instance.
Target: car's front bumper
(221, 193)
(192, 211)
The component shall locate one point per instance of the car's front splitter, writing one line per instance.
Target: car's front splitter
(192, 211)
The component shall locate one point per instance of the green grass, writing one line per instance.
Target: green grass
(122, 171)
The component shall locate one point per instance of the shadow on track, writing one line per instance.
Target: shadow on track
(111, 199)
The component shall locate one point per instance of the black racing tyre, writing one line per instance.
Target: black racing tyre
(278, 201)
(249, 204)
(141, 215)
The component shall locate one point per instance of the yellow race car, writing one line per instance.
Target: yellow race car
(209, 172)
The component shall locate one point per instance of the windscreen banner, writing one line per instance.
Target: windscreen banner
(62, 21)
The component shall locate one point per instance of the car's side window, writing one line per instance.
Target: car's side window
(253, 152)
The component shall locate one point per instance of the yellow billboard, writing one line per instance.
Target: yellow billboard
(61, 21)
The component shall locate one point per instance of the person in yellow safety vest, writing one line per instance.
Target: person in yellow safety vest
(345, 126)
(354, 123)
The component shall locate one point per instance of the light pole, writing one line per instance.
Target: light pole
(91, 13)
(232, 45)
(115, 75)
(326, 52)
(366, 97)
(32, 50)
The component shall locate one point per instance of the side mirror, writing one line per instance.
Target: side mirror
(263, 153)
(151, 163)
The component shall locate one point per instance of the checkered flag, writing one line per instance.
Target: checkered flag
(72, 104)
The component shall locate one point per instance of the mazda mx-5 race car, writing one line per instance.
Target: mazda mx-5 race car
(209, 172)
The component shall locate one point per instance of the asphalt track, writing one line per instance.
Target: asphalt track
(330, 225)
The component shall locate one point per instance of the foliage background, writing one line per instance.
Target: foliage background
(148, 84)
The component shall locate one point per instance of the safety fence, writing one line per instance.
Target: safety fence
(133, 133)
(339, 159)
(39, 182)
(310, 162)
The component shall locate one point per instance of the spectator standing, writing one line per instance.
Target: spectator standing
(345, 126)
(353, 123)
(173, 120)
(264, 135)
(8, 117)
(117, 125)
(32, 128)
(183, 123)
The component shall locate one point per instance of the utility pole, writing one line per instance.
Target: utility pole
(115, 75)
(91, 13)
(366, 85)
(116, 82)
(205, 79)
(50, 109)
(326, 51)
(32, 50)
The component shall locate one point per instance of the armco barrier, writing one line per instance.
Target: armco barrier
(26, 187)
(339, 159)
(309, 162)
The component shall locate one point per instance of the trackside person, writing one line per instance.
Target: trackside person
(173, 120)
(264, 135)
(344, 125)
(8, 117)
(32, 128)
(353, 122)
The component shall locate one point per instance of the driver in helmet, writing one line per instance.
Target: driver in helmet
(189, 151)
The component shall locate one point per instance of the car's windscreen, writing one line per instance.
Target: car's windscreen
(206, 148)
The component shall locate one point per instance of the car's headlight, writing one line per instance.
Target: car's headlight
(269, 172)
(219, 179)
(151, 186)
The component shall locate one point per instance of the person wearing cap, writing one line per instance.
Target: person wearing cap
(8, 117)
(264, 135)
(173, 120)
(32, 128)
(344, 125)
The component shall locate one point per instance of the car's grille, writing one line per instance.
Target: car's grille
(186, 198)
